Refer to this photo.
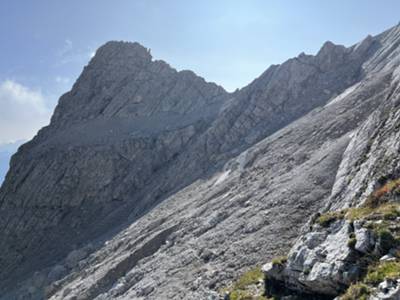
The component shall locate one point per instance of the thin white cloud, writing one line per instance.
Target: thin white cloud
(66, 48)
(11, 146)
(62, 80)
(69, 53)
(23, 112)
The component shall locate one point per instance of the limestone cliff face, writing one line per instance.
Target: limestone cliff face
(356, 233)
(286, 92)
(153, 184)
(126, 118)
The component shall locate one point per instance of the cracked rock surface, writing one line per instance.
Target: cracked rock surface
(151, 183)
(322, 260)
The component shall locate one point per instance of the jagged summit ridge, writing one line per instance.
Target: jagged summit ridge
(126, 118)
(155, 184)
(122, 80)
(114, 50)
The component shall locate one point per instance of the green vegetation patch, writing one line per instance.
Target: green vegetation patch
(352, 243)
(279, 261)
(250, 277)
(380, 215)
(328, 218)
(381, 271)
(386, 240)
(357, 291)
(386, 211)
(243, 288)
(375, 207)
(244, 295)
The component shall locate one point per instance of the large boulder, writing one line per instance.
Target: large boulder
(320, 262)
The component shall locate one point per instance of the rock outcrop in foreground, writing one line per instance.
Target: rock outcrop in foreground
(151, 183)
(352, 247)
(358, 239)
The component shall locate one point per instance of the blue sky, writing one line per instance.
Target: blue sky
(46, 43)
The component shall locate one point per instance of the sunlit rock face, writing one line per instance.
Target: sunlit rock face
(151, 183)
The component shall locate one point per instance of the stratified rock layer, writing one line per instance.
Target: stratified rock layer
(328, 260)
(153, 184)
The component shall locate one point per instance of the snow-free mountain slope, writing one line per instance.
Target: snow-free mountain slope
(153, 184)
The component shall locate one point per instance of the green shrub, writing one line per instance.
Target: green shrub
(391, 212)
(386, 240)
(351, 243)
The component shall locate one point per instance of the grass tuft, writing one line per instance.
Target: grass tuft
(358, 291)
(242, 288)
(328, 218)
(381, 271)
(279, 261)
(250, 277)
(386, 211)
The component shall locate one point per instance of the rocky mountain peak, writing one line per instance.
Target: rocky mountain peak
(328, 47)
(115, 60)
(151, 183)
(126, 51)
(123, 81)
